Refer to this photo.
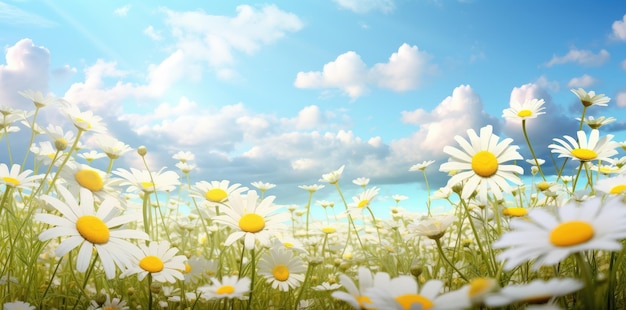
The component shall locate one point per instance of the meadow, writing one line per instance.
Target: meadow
(78, 237)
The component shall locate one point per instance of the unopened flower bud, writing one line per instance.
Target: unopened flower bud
(142, 151)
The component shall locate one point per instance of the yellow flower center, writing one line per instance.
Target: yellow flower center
(281, 272)
(363, 203)
(89, 179)
(83, 123)
(365, 302)
(618, 189)
(525, 113)
(329, 230)
(542, 186)
(485, 164)
(515, 211)
(584, 154)
(479, 286)
(93, 229)
(225, 289)
(11, 181)
(586, 102)
(151, 264)
(147, 186)
(251, 223)
(187, 268)
(571, 233)
(216, 195)
(288, 244)
(407, 300)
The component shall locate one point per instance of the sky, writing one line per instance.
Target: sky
(285, 91)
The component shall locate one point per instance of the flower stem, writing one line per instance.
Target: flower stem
(448, 261)
(89, 270)
(532, 152)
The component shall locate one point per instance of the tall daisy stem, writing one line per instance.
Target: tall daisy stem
(87, 275)
(445, 258)
(530, 148)
(252, 276)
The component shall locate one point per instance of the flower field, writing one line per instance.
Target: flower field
(78, 237)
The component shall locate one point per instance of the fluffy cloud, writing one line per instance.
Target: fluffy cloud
(581, 57)
(364, 6)
(404, 71)
(26, 67)
(122, 11)
(583, 81)
(619, 29)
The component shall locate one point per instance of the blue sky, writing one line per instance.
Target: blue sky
(285, 91)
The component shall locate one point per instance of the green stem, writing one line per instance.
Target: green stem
(252, 276)
(427, 191)
(32, 136)
(443, 255)
(89, 270)
(309, 271)
(532, 152)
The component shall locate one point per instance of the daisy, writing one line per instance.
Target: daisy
(159, 260)
(590, 98)
(363, 200)
(146, 181)
(109, 304)
(18, 305)
(481, 162)
(89, 229)
(216, 191)
(184, 157)
(60, 138)
(357, 296)
(421, 166)
(402, 293)
(535, 291)
(262, 186)
(595, 123)
(613, 186)
(84, 176)
(433, 227)
(84, 121)
(91, 155)
(45, 152)
(311, 188)
(362, 182)
(15, 179)
(583, 149)
(251, 219)
(185, 167)
(332, 177)
(38, 98)
(112, 147)
(229, 287)
(196, 267)
(591, 225)
(523, 111)
(282, 269)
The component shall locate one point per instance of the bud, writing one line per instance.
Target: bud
(142, 151)
(156, 287)
(60, 144)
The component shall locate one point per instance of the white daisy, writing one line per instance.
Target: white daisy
(216, 191)
(332, 177)
(109, 304)
(112, 147)
(593, 225)
(583, 149)
(85, 121)
(101, 230)
(421, 166)
(38, 98)
(229, 287)
(146, 181)
(15, 178)
(251, 219)
(84, 176)
(613, 186)
(18, 305)
(590, 98)
(184, 156)
(535, 291)
(159, 260)
(357, 296)
(282, 269)
(523, 111)
(402, 293)
(481, 162)
(432, 227)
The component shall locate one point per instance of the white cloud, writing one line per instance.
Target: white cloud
(619, 29)
(453, 116)
(26, 67)
(214, 38)
(13, 15)
(152, 34)
(620, 99)
(581, 57)
(122, 11)
(404, 71)
(364, 6)
(583, 81)
(546, 84)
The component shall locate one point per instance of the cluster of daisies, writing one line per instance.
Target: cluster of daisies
(79, 236)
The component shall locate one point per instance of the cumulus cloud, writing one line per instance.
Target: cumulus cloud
(404, 71)
(364, 6)
(152, 33)
(26, 67)
(582, 81)
(619, 29)
(581, 57)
